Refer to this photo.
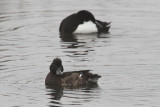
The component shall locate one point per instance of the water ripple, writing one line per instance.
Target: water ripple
(127, 58)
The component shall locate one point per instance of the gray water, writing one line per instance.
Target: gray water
(128, 58)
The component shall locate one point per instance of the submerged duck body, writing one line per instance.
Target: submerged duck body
(83, 22)
(57, 78)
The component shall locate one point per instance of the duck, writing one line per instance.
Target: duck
(57, 78)
(83, 22)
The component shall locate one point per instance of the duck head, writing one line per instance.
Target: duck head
(56, 67)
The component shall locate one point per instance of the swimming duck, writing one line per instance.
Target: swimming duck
(83, 22)
(57, 78)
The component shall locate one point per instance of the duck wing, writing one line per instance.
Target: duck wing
(79, 78)
(69, 24)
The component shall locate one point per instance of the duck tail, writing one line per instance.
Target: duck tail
(102, 26)
(108, 24)
(93, 78)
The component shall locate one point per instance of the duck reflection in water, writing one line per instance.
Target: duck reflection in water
(71, 39)
(56, 93)
(85, 42)
(67, 37)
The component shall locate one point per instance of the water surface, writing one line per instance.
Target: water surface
(128, 58)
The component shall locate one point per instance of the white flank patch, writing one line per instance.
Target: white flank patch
(86, 27)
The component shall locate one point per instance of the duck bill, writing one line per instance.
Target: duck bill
(59, 71)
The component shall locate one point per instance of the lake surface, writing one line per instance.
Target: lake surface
(128, 58)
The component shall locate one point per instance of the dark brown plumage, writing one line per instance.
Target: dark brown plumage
(69, 79)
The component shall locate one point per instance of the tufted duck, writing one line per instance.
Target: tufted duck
(57, 78)
(83, 22)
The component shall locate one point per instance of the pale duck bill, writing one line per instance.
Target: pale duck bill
(59, 71)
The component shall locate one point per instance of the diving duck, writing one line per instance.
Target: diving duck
(57, 78)
(83, 22)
